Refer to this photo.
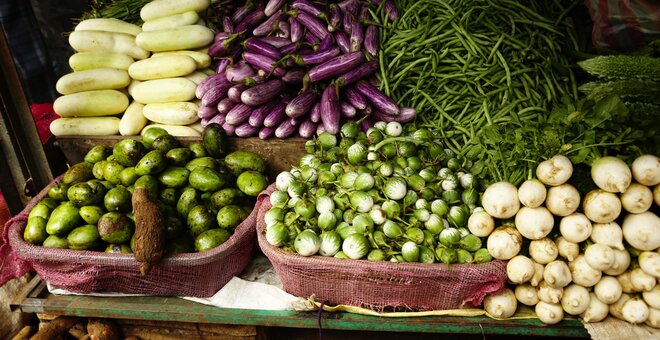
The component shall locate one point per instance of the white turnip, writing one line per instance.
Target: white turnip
(608, 289)
(531, 193)
(626, 283)
(635, 310)
(654, 318)
(549, 313)
(641, 281)
(562, 200)
(582, 273)
(543, 250)
(621, 262)
(567, 249)
(642, 231)
(501, 305)
(601, 206)
(480, 223)
(500, 200)
(520, 269)
(652, 297)
(538, 274)
(549, 294)
(656, 195)
(575, 299)
(611, 174)
(504, 243)
(649, 261)
(534, 223)
(526, 294)
(637, 199)
(597, 310)
(599, 256)
(615, 308)
(609, 234)
(575, 227)
(555, 171)
(557, 274)
(646, 170)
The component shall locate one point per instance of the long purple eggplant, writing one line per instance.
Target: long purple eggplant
(380, 101)
(283, 30)
(206, 112)
(221, 66)
(288, 49)
(366, 123)
(250, 21)
(406, 115)
(263, 48)
(309, 7)
(209, 82)
(286, 129)
(215, 94)
(229, 129)
(330, 111)
(275, 41)
(234, 93)
(371, 40)
(293, 76)
(246, 130)
(357, 36)
(315, 114)
(335, 66)
(218, 119)
(269, 25)
(313, 24)
(334, 21)
(316, 57)
(358, 73)
(238, 114)
(327, 43)
(266, 133)
(355, 98)
(390, 9)
(225, 105)
(301, 104)
(347, 110)
(349, 6)
(273, 6)
(276, 115)
(262, 93)
(259, 114)
(347, 21)
(239, 71)
(311, 39)
(306, 129)
(221, 36)
(342, 41)
(297, 30)
(242, 12)
(227, 25)
(264, 63)
(364, 14)
(320, 128)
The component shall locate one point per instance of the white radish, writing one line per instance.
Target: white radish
(621, 262)
(599, 256)
(652, 297)
(501, 305)
(601, 206)
(534, 223)
(575, 299)
(626, 283)
(654, 318)
(608, 289)
(635, 311)
(538, 274)
(656, 195)
(501, 200)
(532, 193)
(543, 250)
(597, 310)
(549, 313)
(520, 269)
(481, 223)
(611, 174)
(615, 308)
(582, 273)
(646, 170)
(642, 231)
(649, 261)
(555, 171)
(557, 274)
(575, 227)
(549, 294)
(637, 199)
(562, 200)
(641, 281)
(526, 294)
(567, 249)
(609, 234)
(504, 243)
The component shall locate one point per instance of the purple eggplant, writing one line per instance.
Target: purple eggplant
(275, 41)
(371, 40)
(347, 110)
(208, 83)
(366, 123)
(262, 93)
(380, 101)
(342, 41)
(221, 46)
(276, 115)
(297, 30)
(334, 67)
(206, 112)
(273, 6)
(219, 119)
(313, 24)
(315, 114)
(330, 111)
(358, 73)
(357, 36)
(334, 21)
(407, 114)
(266, 133)
(320, 128)
(349, 6)
(215, 94)
(311, 39)
(238, 114)
(293, 76)
(227, 25)
(269, 25)
(309, 7)
(306, 129)
(264, 63)
(254, 80)
(390, 9)
(284, 30)
(286, 129)
(259, 114)
(221, 66)
(246, 130)
(347, 21)
(242, 12)
(317, 57)
(229, 129)
(327, 43)
(301, 104)
(288, 49)
(239, 71)
(262, 48)
(355, 98)
(250, 21)
(364, 14)
(234, 92)
(225, 105)
(221, 36)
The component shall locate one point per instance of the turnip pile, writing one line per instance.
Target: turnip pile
(589, 255)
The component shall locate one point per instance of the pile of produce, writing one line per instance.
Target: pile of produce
(589, 255)
(150, 197)
(381, 195)
(296, 68)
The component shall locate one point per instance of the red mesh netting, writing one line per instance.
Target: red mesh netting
(381, 285)
(191, 274)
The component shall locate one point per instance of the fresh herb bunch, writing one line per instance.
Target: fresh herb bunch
(126, 10)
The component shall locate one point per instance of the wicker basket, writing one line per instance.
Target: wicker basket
(381, 285)
(190, 274)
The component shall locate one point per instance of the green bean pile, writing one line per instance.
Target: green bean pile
(466, 64)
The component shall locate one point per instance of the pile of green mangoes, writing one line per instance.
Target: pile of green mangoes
(203, 191)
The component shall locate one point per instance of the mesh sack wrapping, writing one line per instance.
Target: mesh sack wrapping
(380, 285)
(190, 274)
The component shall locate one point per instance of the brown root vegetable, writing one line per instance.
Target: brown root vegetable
(103, 329)
(24, 333)
(55, 328)
(149, 230)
